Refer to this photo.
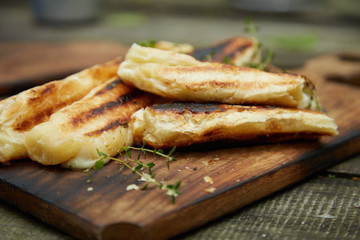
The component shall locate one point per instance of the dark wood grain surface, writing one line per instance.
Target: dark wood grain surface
(241, 175)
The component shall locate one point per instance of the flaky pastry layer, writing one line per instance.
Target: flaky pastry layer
(182, 77)
(72, 135)
(185, 124)
(21, 112)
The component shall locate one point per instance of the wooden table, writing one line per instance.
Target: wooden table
(324, 206)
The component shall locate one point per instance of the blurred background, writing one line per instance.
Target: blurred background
(295, 30)
(42, 40)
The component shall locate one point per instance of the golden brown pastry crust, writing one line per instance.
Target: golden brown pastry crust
(184, 124)
(98, 121)
(181, 77)
(238, 51)
(21, 112)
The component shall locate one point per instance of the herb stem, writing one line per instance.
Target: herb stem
(134, 170)
(171, 189)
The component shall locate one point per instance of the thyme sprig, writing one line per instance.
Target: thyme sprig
(172, 190)
(268, 54)
(144, 150)
(263, 64)
(250, 27)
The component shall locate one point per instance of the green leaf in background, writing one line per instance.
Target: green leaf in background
(126, 19)
(300, 42)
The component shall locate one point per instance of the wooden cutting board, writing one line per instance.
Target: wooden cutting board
(241, 174)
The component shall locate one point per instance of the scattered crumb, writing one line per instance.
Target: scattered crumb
(208, 179)
(179, 170)
(210, 190)
(205, 163)
(237, 180)
(146, 178)
(216, 158)
(90, 189)
(189, 168)
(132, 187)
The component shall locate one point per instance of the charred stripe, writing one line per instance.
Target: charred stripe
(119, 122)
(108, 106)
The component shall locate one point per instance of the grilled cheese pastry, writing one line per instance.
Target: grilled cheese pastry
(21, 112)
(238, 51)
(185, 124)
(72, 135)
(182, 77)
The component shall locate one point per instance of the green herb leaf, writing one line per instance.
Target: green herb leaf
(209, 56)
(177, 186)
(149, 167)
(138, 156)
(226, 59)
(101, 154)
(250, 27)
(149, 43)
(268, 57)
(137, 168)
(128, 153)
(172, 151)
(145, 186)
(99, 164)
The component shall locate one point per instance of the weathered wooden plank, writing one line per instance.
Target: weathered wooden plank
(322, 208)
(350, 167)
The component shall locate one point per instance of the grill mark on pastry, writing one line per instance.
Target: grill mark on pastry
(49, 89)
(207, 108)
(39, 94)
(232, 51)
(110, 86)
(195, 108)
(229, 48)
(201, 54)
(119, 122)
(215, 83)
(128, 98)
(39, 116)
(223, 68)
(132, 102)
